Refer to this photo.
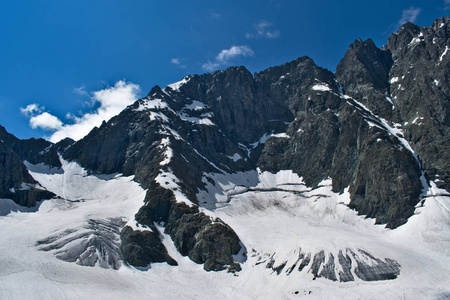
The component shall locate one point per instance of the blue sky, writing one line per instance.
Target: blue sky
(67, 64)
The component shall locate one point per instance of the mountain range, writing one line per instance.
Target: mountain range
(297, 180)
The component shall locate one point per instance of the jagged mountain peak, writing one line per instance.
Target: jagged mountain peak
(359, 43)
(440, 23)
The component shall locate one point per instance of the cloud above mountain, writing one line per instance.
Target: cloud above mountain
(109, 102)
(226, 56)
(263, 29)
(40, 119)
(409, 15)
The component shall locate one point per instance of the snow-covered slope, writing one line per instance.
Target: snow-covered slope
(278, 219)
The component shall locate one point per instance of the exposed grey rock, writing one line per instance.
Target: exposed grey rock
(313, 133)
(35, 150)
(15, 181)
(196, 235)
(420, 89)
(364, 74)
(328, 270)
(318, 260)
(346, 265)
(377, 270)
(306, 259)
(141, 248)
(278, 269)
(96, 243)
(331, 137)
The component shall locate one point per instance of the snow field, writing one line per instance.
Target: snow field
(275, 215)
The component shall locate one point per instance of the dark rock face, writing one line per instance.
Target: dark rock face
(204, 242)
(141, 248)
(364, 74)
(15, 181)
(420, 90)
(35, 150)
(408, 84)
(335, 136)
(386, 182)
(313, 133)
(194, 234)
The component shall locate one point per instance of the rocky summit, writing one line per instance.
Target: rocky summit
(373, 138)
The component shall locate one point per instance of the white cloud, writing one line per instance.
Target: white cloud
(117, 97)
(177, 62)
(31, 109)
(263, 29)
(70, 116)
(45, 121)
(210, 66)
(224, 57)
(111, 101)
(40, 119)
(409, 15)
(81, 91)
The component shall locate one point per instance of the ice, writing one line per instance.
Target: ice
(43, 168)
(321, 87)
(216, 194)
(200, 121)
(158, 116)
(235, 157)
(383, 124)
(168, 152)
(266, 136)
(168, 180)
(75, 188)
(276, 216)
(394, 80)
(417, 119)
(415, 41)
(443, 54)
(169, 131)
(8, 206)
(280, 135)
(196, 105)
(429, 227)
(155, 103)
